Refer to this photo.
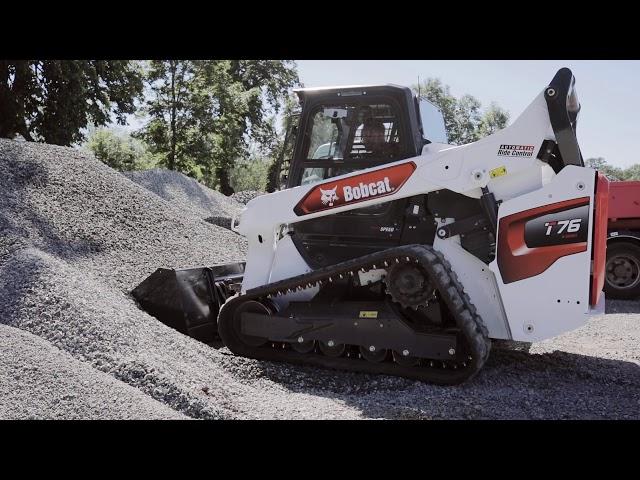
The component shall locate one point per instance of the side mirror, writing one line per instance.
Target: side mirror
(432, 123)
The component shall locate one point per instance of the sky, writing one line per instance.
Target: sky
(609, 91)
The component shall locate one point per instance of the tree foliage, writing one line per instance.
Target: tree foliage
(54, 100)
(119, 151)
(250, 174)
(282, 152)
(464, 120)
(204, 114)
(614, 173)
(493, 119)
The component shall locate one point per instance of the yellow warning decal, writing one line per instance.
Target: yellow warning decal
(368, 314)
(498, 172)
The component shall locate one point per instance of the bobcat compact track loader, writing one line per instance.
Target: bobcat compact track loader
(389, 252)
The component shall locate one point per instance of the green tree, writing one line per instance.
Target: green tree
(119, 151)
(632, 172)
(600, 164)
(282, 152)
(268, 81)
(493, 119)
(250, 174)
(54, 100)
(169, 108)
(204, 114)
(468, 118)
(463, 118)
(614, 173)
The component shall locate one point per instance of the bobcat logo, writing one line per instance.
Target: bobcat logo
(329, 196)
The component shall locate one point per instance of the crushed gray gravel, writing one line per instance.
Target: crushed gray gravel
(246, 196)
(189, 195)
(76, 237)
(74, 207)
(39, 381)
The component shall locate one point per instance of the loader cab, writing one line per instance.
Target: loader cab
(350, 128)
(345, 129)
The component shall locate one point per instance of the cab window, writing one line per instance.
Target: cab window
(346, 137)
(344, 132)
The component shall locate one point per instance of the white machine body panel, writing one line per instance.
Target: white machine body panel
(556, 300)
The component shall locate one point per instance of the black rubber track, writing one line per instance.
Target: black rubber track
(472, 328)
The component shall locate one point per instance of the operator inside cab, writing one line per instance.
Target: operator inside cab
(373, 135)
(374, 139)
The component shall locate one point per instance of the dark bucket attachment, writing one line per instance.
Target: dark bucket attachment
(188, 299)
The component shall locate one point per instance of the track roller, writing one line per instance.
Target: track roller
(372, 354)
(304, 346)
(404, 359)
(332, 349)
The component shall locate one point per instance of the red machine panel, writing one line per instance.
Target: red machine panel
(624, 200)
(530, 241)
(355, 189)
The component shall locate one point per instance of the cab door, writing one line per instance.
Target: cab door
(332, 144)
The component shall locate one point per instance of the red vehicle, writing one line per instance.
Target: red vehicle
(623, 241)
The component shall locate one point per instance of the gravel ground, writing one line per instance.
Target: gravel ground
(590, 373)
(188, 195)
(39, 381)
(76, 236)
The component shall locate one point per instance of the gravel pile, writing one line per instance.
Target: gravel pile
(76, 237)
(39, 381)
(246, 196)
(68, 204)
(189, 195)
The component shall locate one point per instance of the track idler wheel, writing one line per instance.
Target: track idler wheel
(332, 349)
(373, 354)
(250, 306)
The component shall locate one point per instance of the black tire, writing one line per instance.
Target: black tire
(622, 271)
